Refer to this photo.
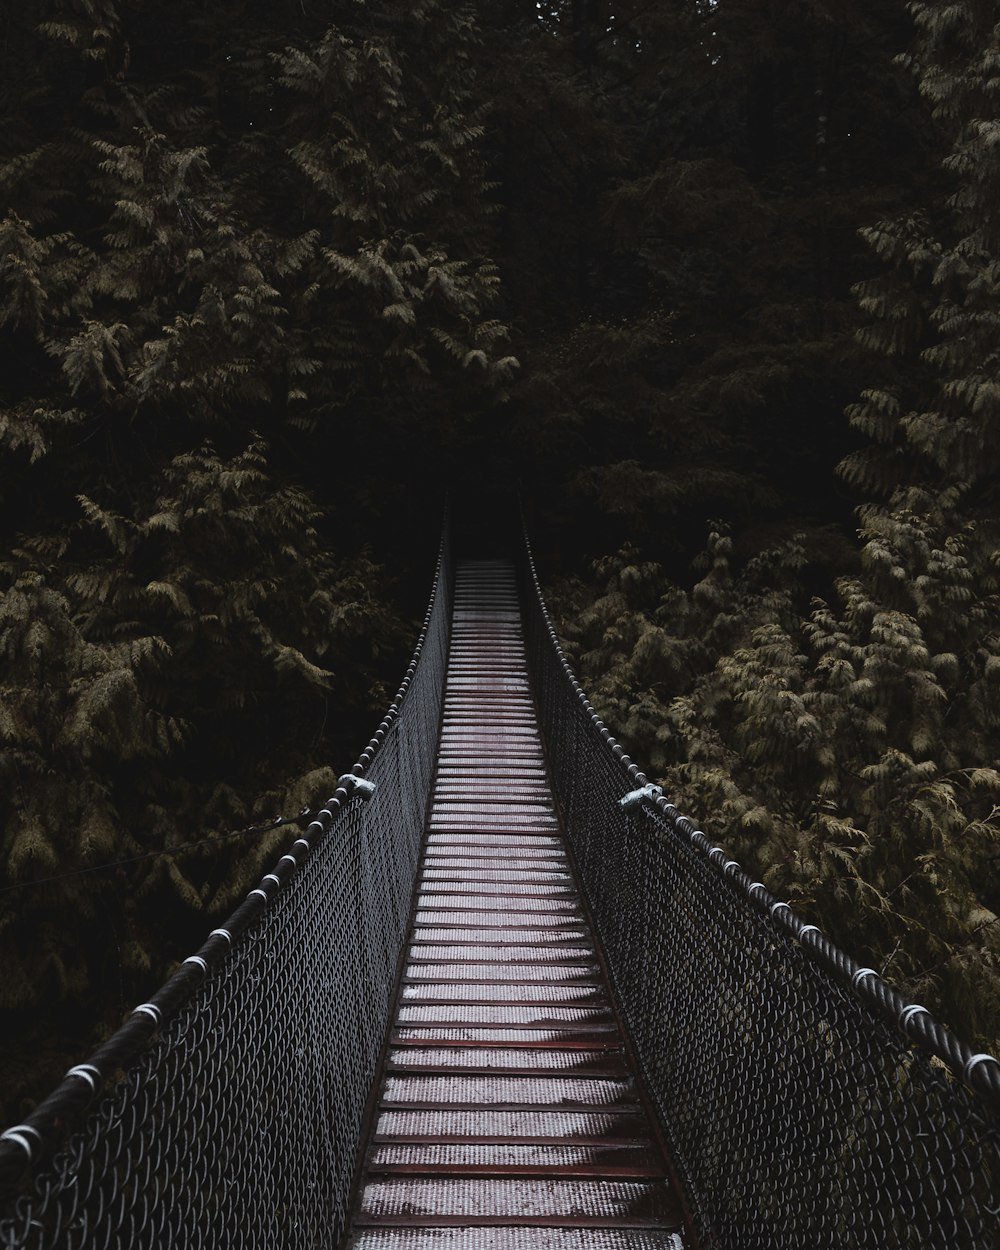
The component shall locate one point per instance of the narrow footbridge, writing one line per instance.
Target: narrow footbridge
(501, 995)
(507, 1102)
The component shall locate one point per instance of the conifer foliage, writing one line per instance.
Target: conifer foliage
(849, 752)
(266, 273)
(699, 175)
(242, 253)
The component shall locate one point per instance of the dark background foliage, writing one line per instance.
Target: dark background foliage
(715, 282)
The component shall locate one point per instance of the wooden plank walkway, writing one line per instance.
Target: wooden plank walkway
(507, 1116)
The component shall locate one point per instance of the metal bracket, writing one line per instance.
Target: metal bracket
(356, 785)
(636, 798)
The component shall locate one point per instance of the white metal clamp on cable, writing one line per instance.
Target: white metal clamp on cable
(636, 798)
(356, 785)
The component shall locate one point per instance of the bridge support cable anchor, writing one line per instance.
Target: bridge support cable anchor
(356, 786)
(636, 798)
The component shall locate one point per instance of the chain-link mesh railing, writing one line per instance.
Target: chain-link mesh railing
(805, 1104)
(228, 1111)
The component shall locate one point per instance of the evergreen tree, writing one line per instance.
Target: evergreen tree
(698, 174)
(849, 754)
(245, 295)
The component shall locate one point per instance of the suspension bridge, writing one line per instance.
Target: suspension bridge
(499, 995)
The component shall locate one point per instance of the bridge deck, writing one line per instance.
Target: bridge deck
(507, 1117)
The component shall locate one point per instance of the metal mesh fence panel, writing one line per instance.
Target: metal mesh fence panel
(805, 1104)
(228, 1111)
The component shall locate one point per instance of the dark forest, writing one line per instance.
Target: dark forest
(714, 285)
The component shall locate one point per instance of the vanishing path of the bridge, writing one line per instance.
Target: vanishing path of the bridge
(507, 1101)
(499, 994)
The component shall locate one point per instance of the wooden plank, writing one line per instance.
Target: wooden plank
(507, 1116)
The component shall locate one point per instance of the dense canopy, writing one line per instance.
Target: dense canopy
(716, 283)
